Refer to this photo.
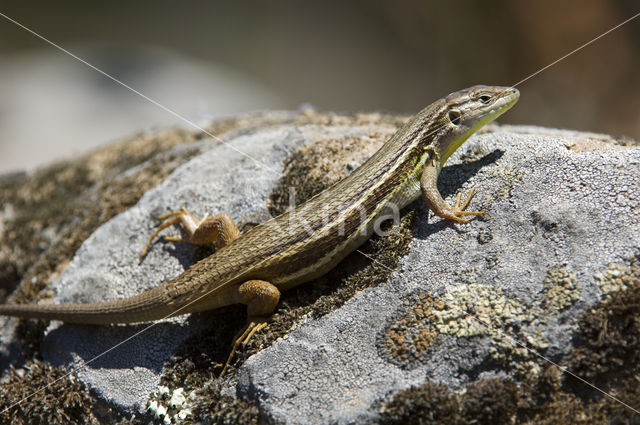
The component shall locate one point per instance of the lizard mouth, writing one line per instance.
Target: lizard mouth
(505, 101)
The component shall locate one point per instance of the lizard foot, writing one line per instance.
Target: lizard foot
(254, 324)
(459, 209)
(219, 229)
(454, 213)
(261, 298)
(170, 219)
(439, 206)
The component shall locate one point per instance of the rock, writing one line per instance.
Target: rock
(465, 297)
(428, 302)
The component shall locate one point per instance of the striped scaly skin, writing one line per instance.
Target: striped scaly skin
(307, 242)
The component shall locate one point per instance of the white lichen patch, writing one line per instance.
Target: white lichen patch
(7, 213)
(171, 407)
(517, 329)
(474, 309)
(560, 290)
(618, 276)
(177, 398)
(482, 310)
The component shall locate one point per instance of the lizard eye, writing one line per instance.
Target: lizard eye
(485, 98)
(454, 117)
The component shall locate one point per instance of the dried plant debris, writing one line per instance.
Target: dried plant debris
(605, 353)
(488, 401)
(608, 336)
(38, 393)
(193, 395)
(541, 400)
(211, 406)
(206, 404)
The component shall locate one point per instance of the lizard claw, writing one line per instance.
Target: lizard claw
(169, 220)
(253, 325)
(459, 208)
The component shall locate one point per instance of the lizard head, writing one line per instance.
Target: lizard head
(465, 111)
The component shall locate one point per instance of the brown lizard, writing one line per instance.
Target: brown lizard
(300, 245)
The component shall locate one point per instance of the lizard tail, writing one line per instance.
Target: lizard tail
(147, 306)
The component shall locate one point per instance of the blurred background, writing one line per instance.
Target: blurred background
(210, 59)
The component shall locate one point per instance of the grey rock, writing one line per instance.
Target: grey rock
(549, 208)
(552, 215)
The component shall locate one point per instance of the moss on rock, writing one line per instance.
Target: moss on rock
(38, 393)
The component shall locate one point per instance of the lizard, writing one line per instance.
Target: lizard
(299, 245)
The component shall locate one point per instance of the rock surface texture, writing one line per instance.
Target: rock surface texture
(433, 321)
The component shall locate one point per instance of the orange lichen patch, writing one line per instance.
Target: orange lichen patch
(408, 337)
(424, 339)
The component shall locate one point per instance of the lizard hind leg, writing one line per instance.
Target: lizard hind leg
(261, 298)
(219, 229)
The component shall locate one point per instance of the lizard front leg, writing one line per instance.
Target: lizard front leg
(219, 229)
(433, 199)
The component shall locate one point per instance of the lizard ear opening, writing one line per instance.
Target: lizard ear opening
(454, 117)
